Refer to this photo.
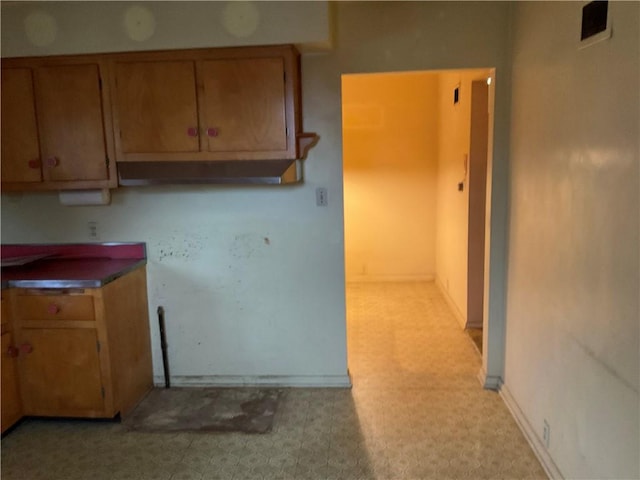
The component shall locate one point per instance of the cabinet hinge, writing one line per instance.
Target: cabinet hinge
(286, 132)
(106, 159)
(102, 391)
(98, 345)
(100, 83)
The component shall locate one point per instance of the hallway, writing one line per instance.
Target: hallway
(417, 393)
(416, 411)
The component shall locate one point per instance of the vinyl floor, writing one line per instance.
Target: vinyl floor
(416, 411)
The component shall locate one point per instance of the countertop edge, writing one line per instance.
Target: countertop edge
(88, 283)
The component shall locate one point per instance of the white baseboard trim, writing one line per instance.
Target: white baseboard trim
(489, 382)
(389, 278)
(302, 381)
(454, 308)
(550, 468)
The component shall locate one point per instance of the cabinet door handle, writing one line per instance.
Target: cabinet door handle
(53, 308)
(52, 162)
(12, 351)
(26, 348)
(192, 131)
(212, 132)
(35, 163)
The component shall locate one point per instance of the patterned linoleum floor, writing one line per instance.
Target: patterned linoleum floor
(416, 411)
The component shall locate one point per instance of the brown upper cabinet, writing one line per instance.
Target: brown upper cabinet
(20, 145)
(66, 120)
(212, 104)
(56, 124)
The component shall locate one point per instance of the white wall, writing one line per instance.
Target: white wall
(101, 26)
(572, 354)
(239, 307)
(235, 305)
(390, 146)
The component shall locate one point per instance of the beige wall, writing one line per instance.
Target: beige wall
(454, 135)
(390, 143)
(573, 318)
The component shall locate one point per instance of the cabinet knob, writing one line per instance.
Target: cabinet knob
(52, 162)
(26, 348)
(192, 131)
(212, 132)
(12, 351)
(53, 308)
(35, 163)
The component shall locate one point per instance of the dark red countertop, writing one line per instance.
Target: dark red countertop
(68, 265)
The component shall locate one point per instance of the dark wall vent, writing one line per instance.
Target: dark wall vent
(594, 18)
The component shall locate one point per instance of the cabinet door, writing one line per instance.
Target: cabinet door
(244, 105)
(11, 408)
(20, 148)
(61, 374)
(72, 136)
(156, 107)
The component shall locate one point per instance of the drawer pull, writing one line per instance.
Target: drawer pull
(212, 132)
(12, 351)
(35, 163)
(26, 348)
(53, 308)
(52, 162)
(192, 132)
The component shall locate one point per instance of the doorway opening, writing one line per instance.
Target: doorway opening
(416, 154)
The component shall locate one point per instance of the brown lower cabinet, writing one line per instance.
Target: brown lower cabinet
(11, 405)
(82, 352)
(61, 375)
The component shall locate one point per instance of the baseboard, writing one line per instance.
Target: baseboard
(489, 382)
(308, 381)
(534, 440)
(389, 278)
(454, 308)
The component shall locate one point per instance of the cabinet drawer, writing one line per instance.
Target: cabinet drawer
(55, 307)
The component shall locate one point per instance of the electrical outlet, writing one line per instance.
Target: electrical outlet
(321, 197)
(546, 433)
(93, 229)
